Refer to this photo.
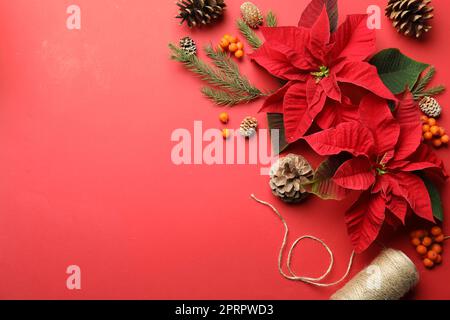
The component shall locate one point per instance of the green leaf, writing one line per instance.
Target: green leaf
(276, 122)
(436, 203)
(323, 185)
(396, 70)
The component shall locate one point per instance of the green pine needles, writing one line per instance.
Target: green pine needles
(420, 89)
(250, 35)
(227, 86)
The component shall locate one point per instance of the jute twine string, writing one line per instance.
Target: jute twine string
(292, 276)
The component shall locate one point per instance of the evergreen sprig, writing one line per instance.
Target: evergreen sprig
(271, 19)
(248, 33)
(227, 85)
(420, 90)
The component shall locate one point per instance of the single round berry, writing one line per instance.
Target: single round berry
(438, 259)
(426, 128)
(436, 248)
(432, 255)
(435, 231)
(420, 233)
(239, 54)
(240, 45)
(439, 238)
(445, 139)
(424, 118)
(233, 39)
(232, 47)
(226, 133)
(415, 241)
(432, 121)
(437, 143)
(422, 250)
(434, 130)
(427, 241)
(224, 43)
(224, 118)
(441, 131)
(428, 263)
(428, 135)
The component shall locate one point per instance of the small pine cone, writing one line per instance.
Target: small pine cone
(188, 46)
(248, 127)
(288, 177)
(251, 14)
(410, 17)
(197, 13)
(430, 107)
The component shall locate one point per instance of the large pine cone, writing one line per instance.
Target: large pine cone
(410, 17)
(200, 12)
(288, 177)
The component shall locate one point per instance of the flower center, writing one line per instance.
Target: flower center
(380, 169)
(322, 73)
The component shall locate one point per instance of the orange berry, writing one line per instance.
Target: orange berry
(436, 248)
(428, 135)
(240, 45)
(438, 259)
(224, 43)
(435, 231)
(413, 234)
(427, 241)
(232, 47)
(226, 133)
(420, 233)
(428, 263)
(426, 128)
(432, 255)
(422, 250)
(437, 143)
(223, 117)
(434, 130)
(226, 36)
(432, 121)
(239, 54)
(424, 118)
(439, 238)
(441, 131)
(445, 139)
(415, 241)
(233, 39)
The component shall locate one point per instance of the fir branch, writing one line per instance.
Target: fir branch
(271, 19)
(250, 35)
(429, 92)
(425, 80)
(223, 98)
(222, 61)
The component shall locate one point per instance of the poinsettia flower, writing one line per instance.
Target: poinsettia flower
(316, 65)
(387, 152)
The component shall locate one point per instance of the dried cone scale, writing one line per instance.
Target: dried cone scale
(288, 177)
(200, 12)
(410, 17)
(248, 127)
(430, 107)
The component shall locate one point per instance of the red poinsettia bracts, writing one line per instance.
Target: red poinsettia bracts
(316, 65)
(387, 151)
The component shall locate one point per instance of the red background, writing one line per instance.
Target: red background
(86, 176)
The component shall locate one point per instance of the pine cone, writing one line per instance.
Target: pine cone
(200, 12)
(430, 107)
(251, 14)
(188, 46)
(288, 177)
(410, 17)
(248, 127)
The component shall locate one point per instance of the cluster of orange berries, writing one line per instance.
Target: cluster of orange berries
(232, 45)
(429, 245)
(432, 132)
(224, 118)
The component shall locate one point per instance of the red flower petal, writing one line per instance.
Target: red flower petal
(298, 116)
(364, 220)
(363, 75)
(415, 192)
(312, 12)
(334, 113)
(398, 207)
(274, 103)
(355, 174)
(375, 115)
(331, 87)
(350, 136)
(276, 63)
(353, 40)
(408, 116)
(320, 36)
(293, 42)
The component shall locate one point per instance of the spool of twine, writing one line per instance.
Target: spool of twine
(389, 277)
